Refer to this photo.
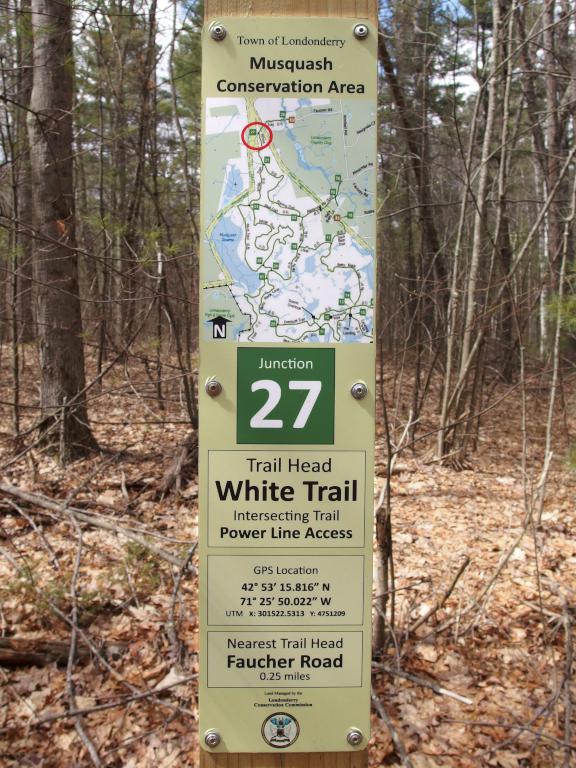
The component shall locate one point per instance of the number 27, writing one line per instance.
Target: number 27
(260, 420)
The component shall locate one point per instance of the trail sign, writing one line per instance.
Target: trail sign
(287, 354)
(285, 395)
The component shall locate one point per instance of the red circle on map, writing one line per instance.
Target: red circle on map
(253, 125)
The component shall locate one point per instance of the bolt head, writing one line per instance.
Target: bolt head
(213, 388)
(359, 390)
(212, 739)
(354, 737)
(361, 31)
(217, 31)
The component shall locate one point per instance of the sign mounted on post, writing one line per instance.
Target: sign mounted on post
(287, 369)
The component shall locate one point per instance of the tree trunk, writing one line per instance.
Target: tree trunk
(64, 418)
(133, 232)
(481, 198)
(418, 153)
(26, 328)
(553, 139)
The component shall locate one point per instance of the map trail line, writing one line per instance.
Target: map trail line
(335, 318)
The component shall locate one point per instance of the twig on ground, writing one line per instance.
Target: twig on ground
(100, 522)
(36, 444)
(92, 645)
(478, 602)
(139, 737)
(115, 704)
(17, 696)
(544, 712)
(45, 543)
(396, 740)
(78, 722)
(86, 482)
(13, 562)
(38, 498)
(554, 615)
(173, 626)
(440, 603)
(513, 727)
(37, 652)
(562, 590)
(424, 682)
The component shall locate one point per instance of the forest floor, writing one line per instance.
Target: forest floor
(498, 651)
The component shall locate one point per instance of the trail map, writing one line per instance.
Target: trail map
(289, 200)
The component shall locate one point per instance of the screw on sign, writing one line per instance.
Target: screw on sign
(361, 31)
(359, 390)
(217, 32)
(212, 739)
(213, 388)
(354, 737)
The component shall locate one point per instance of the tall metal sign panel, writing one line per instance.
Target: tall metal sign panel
(286, 383)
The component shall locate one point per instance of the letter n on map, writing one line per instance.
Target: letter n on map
(288, 240)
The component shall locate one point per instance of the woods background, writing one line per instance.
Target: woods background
(475, 561)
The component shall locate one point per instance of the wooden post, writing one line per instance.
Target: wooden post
(217, 9)
(363, 9)
(293, 760)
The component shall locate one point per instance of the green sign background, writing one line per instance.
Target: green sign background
(286, 366)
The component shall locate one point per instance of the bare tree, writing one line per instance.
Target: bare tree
(64, 416)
